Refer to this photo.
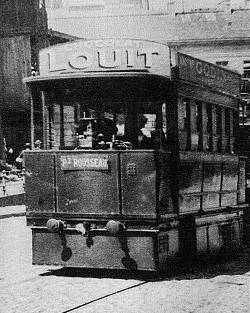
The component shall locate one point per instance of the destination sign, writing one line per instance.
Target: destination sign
(208, 74)
(85, 162)
(106, 55)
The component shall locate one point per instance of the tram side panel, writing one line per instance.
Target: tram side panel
(210, 182)
(212, 175)
(211, 201)
(39, 183)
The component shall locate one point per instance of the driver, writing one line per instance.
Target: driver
(104, 126)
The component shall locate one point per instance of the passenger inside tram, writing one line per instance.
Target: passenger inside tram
(105, 123)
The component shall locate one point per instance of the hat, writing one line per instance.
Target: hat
(38, 142)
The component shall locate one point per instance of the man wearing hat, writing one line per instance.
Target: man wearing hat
(38, 144)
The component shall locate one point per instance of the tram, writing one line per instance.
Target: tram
(139, 166)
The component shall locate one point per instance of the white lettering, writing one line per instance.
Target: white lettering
(75, 162)
(147, 53)
(64, 162)
(54, 65)
(84, 163)
(199, 67)
(130, 58)
(109, 58)
(80, 61)
(104, 54)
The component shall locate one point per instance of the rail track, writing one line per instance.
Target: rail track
(103, 297)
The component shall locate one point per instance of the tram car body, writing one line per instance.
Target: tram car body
(165, 183)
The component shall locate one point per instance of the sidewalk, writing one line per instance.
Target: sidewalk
(12, 198)
(12, 211)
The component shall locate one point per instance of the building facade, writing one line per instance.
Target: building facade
(23, 32)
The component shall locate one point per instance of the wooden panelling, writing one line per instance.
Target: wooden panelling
(209, 182)
(15, 64)
(22, 16)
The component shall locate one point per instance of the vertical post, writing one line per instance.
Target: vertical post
(172, 122)
(147, 5)
(173, 135)
(45, 121)
(231, 135)
(204, 135)
(213, 129)
(193, 125)
(2, 143)
(32, 128)
(223, 131)
(61, 126)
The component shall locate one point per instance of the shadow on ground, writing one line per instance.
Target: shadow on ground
(225, 264)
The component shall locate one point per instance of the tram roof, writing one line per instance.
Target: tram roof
(87, 75)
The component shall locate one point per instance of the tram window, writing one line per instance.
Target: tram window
(228, 128)
(199, 116)
(219, 128)
(182, 114)
(97, 128)
(151, 125)
(218, 121)
(227, 123)
(164, 118)
(120, 124)
(187, 123)
(75, 122)
(187, 115)
(209, 119)
(209, 125)
(235, 123)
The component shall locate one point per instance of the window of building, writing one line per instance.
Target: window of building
(187, 115)
(246, 68)
(209, 126)
(218, 121)
(199, 116)
(227, 123)
(209, 119)
(222, 63)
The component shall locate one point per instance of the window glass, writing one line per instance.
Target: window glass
(218, 121)
(164, 118)
(209, 119)
(222, 63)
(182, 114)
(227, 123)
(187, 115)
(86, 123)
(199, 116)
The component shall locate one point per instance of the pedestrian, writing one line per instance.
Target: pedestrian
(19, 159)
(144, 135)
(38, 144)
